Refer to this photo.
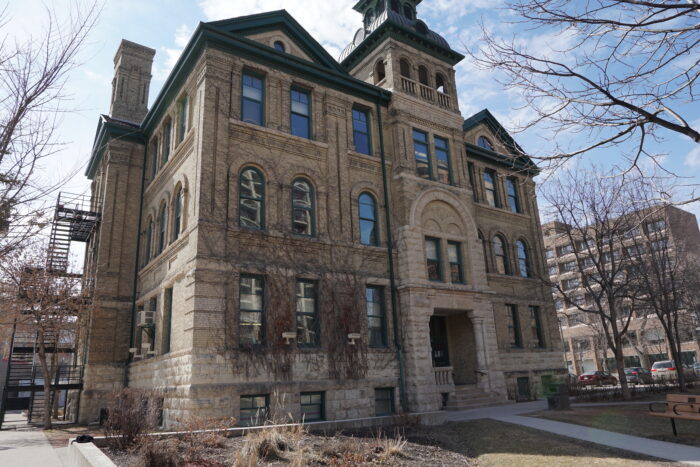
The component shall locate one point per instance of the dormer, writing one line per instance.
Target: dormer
(394, 49)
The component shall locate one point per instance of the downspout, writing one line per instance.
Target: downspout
(136, 265)
(392, 279)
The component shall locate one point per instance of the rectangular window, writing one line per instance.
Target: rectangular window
(154, 159)
(553, 270)
(383, 401)
(151, 330)
(254, 410)
(167, 319)
(549, 253)
(182, 119)
(656, 226)
(252, 308)
(432, 257)
(360, 131)
(454, 254)
(442, 155)
(472, 180)
(490, 188)
(253, 99)
(307, 314)
(301, 113)
(570, 284)
(167, 133)
(659, 245)
(536, 327)
(420, 148)
(312, 406)
(513, 199)
(514, 336)
(376, 316)
(565, 250)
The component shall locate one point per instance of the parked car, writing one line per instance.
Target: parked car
(638, 375)
(664, 369)
(597, 378)
(696, 368)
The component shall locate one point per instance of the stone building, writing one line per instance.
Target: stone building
(585, 349)
(284, 232)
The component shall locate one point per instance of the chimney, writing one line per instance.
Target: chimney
(132, 78)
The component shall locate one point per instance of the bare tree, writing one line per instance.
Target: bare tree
(52, 306)
(33, 74)
(591, 218)
(661, 267)
(625, 70)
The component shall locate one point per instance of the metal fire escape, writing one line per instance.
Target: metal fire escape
(75, 219)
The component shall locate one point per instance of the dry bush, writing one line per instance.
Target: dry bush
(202, 434)
(159, 453)
(131, 413)
(389, 447)
(269, 444)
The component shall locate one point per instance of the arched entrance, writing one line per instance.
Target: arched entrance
(453, 344)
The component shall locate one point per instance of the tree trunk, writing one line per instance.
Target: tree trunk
(621, 376)
(676, 356)
(47, 381)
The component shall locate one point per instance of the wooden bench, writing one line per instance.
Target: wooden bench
(681, 406)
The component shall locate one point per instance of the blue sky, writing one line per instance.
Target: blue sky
(166, 26)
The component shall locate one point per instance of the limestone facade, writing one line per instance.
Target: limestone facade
(177, 239)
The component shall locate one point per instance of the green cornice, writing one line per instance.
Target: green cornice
(107, 131)
(389, 29)
(522, 163)
(487, 118)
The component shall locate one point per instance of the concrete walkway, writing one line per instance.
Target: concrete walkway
(514, 413)
(27, 448)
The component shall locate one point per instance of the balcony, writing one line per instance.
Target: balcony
(426, 93)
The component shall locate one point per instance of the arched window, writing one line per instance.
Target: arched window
(500, 255)
(395, 5)
(485, 143)
(279, 46)
(408, 11)
(162, 228)
(148, 248)
(177, 214)
(490, 188)
(423, 75)
(251, 203)
(405, 68)
(440, 83)
(379, 71)
(523, 265)
(485, 248)
(154, 158)
(303, 204)
(369, 234)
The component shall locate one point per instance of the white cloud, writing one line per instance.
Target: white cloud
(332, 23)
(182, 35)
(171, 54)
(693, 158)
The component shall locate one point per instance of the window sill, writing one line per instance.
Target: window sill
(484, 205)
(266, 129)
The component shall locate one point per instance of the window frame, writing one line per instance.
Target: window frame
(162, 228)
(266, 409)
(515, 339)
(148, 250)
(302, 314)
(167, 142)
(355, 131)
(488, 145)
(241, 197)
(292, 113)
(279, 46)
(322, 405)
(494, 182)
(242, 310)
(427, 153)
(390, 398)
(311, 209)
(536, 326)
(178, 204)
(459, 263)
(514, 197)
(375, 221)
(471, 171)
(524, 260)
(182, 118)
(260, 77)
(505, 256)
(437, 243)
(154, 158)
(446, 150)
(380, 301)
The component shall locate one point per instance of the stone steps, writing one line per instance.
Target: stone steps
(471, 397)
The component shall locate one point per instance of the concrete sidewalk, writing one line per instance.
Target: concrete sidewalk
(27, 448)
(515, 413)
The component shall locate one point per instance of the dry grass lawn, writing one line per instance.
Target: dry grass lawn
(630, 420)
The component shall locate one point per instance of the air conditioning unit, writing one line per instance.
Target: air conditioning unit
(146, 318)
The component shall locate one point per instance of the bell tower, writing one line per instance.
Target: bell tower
(396, 50)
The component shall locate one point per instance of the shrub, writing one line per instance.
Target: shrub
(131, 413)
(269, 444)
(202, 434)
(159, 453)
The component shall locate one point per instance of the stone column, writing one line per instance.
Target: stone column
(482, 363)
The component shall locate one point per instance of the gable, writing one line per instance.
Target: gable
(291, 47)
(262, 27)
